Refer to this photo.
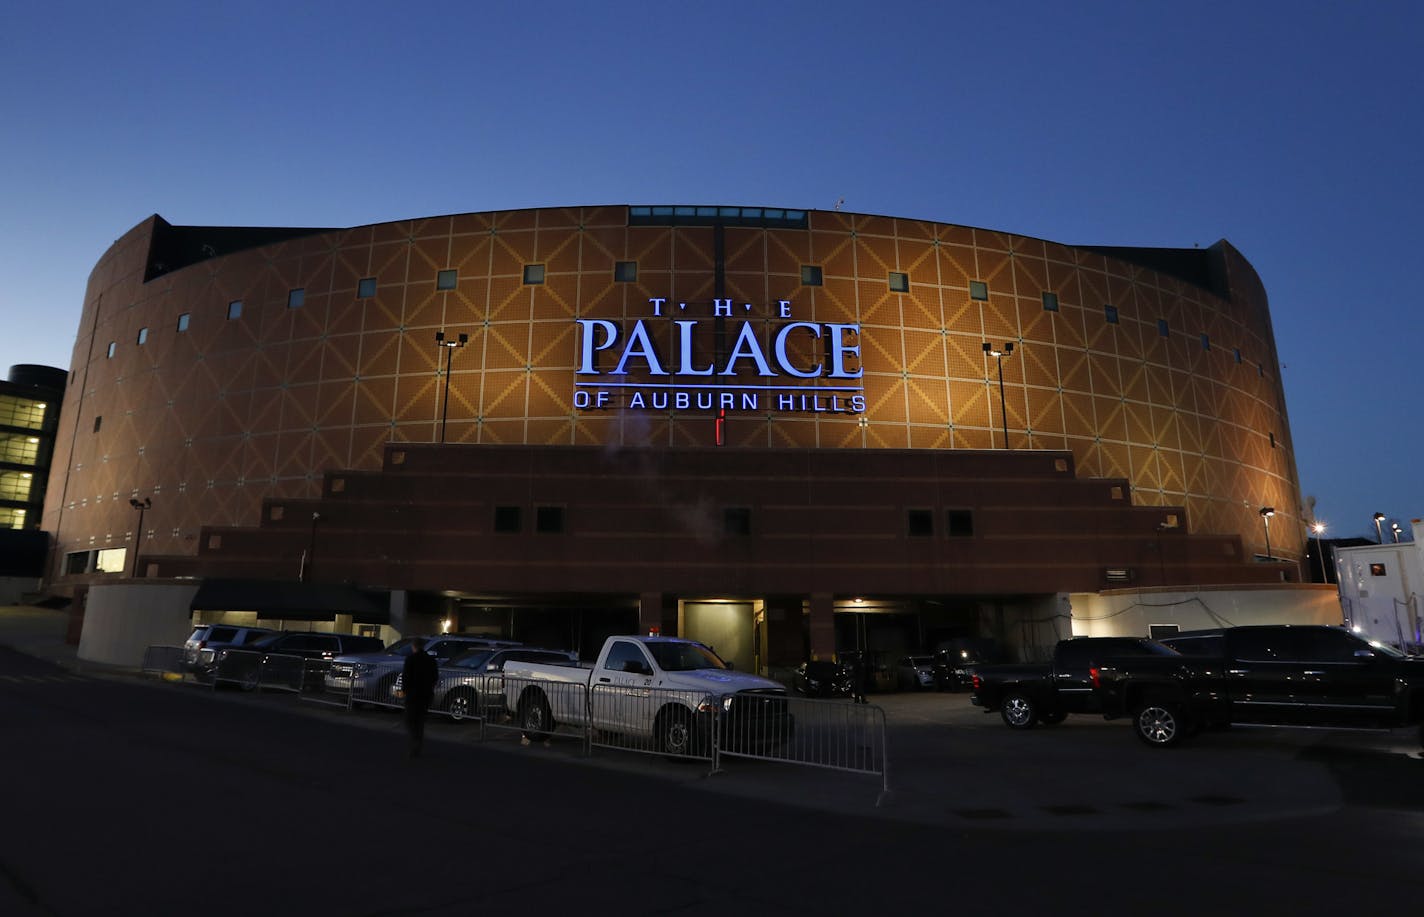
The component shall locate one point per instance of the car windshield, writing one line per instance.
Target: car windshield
(400, 647)
(475, 659)
(684, 657)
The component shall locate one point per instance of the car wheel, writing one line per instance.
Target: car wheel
(461, 704)
(534, 717)
(674, 733)
(250, 680)
(1052, 717)
(1018, 711)
(1160, 723)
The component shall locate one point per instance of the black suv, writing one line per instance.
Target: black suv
(283, 650)
(206, 639)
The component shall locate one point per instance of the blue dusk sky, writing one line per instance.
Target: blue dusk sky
(1293, 130)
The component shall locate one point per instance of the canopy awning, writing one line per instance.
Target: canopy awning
(289, 600)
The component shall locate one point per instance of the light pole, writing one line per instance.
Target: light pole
(1266, 513)
(1319, 530)
(1394, 530)
(447, 347)
(1378, 518)
(142, 506)
(311, 549)
(1007, 351)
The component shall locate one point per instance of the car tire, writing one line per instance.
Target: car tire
(462, 704)
(250, 680)
(1018, 711)
(1160, 723)
(1052, 717)
(535, 718)
(674, 733)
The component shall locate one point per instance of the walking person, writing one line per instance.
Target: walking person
(418, 677)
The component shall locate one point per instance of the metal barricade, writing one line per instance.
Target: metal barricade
(830, 734)
(163, 661)
(237, 667)
(315, 673)
(672, 722)
(357, 684)
(475, 696)
(540, 710)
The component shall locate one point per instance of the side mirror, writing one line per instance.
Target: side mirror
(730, 666)
(1364, 654)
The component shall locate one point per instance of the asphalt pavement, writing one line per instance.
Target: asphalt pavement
(128, 795)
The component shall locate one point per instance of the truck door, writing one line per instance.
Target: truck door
(622, 689)
(1261, 677)
(1344, 682)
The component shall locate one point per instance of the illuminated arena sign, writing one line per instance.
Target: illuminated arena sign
(675, 362)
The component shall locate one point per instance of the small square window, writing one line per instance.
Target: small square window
(625, 271)
(1261, 369)
(366, 288)
(142, 336)
(183, 322)
(98, 422)
(736, 520)
(533, 274)
(296, 297)
(447, 280)
(549, 520)
(919, 522)
(1236, 354)
(960, 523)
(1377, 570)
(1110, 313)
(234, 309)
(1050, 302)
(1273, 439)
(979, 290)
(899, 282)
(113, 346)
(506, 519)
(810, 275)
(1162, 328)
(1206, 342)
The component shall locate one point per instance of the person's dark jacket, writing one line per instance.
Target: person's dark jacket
(418, 677)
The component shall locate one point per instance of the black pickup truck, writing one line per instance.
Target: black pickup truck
(1270, 675)
(1027, 694)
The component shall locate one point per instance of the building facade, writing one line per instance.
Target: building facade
(904, 412)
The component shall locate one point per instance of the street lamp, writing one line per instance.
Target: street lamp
(311, 549)
(1266, 513)
(1007, 351)
(142, 506)
(1394, 530)
(447, 347)
(1319, 530)
(1378, 517)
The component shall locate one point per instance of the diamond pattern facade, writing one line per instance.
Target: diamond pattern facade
(211, 420)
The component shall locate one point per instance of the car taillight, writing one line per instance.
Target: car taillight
(1096, 674)
(978, 682)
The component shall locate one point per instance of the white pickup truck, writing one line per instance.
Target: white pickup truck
(662, 694)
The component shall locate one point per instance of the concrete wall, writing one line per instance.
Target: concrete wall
(12, 588)
(122, 619)
(1133, 612)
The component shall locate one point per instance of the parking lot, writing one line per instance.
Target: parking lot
(949, 763)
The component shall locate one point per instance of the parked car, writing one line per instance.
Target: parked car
(955, 661)
(915, 673)
(204, 642)
(371, 677)
(472, 684)
(244, 665)
(1025, 694)
(1266, 675)
(823, 678)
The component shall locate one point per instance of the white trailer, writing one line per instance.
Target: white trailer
(1380, 590)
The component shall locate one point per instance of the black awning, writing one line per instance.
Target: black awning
(290, 600)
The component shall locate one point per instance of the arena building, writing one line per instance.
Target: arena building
(786, 432)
